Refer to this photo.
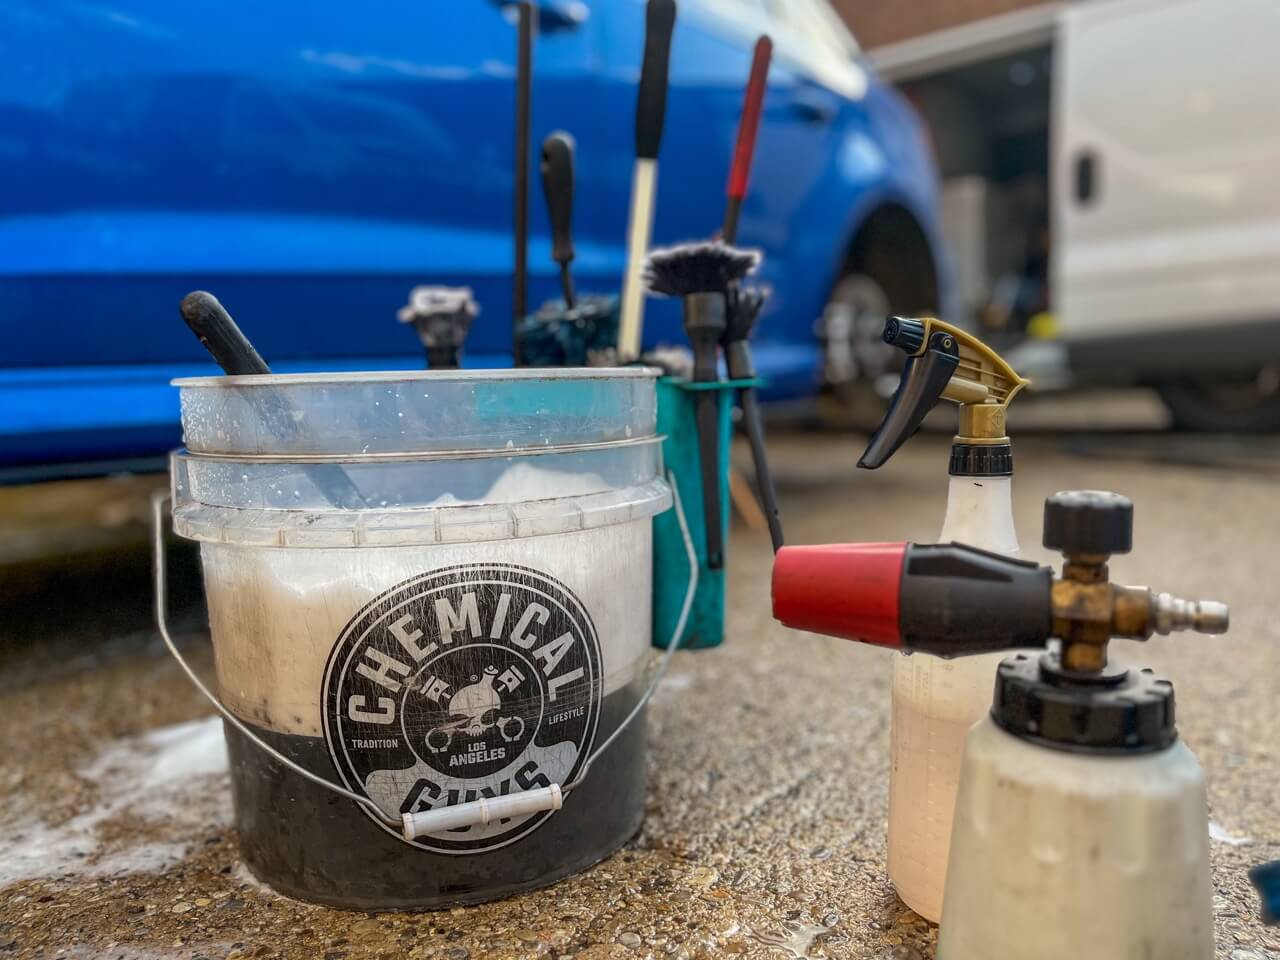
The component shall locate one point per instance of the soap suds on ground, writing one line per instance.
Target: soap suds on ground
(165, 785)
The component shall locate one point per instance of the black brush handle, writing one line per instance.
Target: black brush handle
(228, 346)
(707, 413)
(447, 357)
(737, 358)
(760, 456)
(233, 352)
(557, 184)
(524, 93)
(704, 324)
(651, 103)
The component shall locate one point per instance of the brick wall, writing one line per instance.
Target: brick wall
(877, 22)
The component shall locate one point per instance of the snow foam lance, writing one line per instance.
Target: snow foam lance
(935, 701)
(1081, 825)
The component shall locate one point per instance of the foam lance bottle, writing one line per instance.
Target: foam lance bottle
(936, 701)
(1081, 825)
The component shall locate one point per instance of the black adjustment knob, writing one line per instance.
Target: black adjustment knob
(904, 333)
(1088, 521)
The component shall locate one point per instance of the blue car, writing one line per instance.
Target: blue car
(310, 161)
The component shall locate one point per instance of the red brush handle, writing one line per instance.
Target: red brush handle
(749, 125)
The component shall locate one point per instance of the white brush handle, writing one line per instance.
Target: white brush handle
(482, 811)
(644, 185)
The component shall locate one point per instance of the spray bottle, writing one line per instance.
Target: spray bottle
(1081, 825)
(936, 701)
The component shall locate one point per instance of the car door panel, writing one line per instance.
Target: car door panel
(309, 170)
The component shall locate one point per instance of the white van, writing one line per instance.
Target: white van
(1165, 206)
(1145, 135)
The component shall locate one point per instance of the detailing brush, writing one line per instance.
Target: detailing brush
(651, 109)
(557, 184)
(744, 309)
(442, 316)
(701, 274)
(233, 352)
(575, 331)
(748, 127)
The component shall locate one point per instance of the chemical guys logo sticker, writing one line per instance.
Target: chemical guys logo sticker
(468, 682)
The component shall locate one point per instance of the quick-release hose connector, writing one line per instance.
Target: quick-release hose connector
(1203, 616)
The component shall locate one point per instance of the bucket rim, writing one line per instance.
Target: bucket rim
(224, 381)
(414, 456)
(446, 525)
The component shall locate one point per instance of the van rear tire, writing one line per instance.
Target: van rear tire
(1246, 405)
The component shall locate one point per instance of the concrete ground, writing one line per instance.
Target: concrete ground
(768, 764)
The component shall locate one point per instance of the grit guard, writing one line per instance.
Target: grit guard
(426, 590)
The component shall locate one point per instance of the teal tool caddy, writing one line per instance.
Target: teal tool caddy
(678, 427)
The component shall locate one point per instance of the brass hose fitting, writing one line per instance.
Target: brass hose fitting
(1087, 609)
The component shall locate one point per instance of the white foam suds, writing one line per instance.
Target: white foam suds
(134, 951)
(524, 481)
(173, 779)
(1219, 834)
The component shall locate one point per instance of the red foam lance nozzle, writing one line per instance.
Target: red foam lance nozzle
(848, 590)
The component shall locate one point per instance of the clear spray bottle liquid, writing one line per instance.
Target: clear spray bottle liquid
(935, 702)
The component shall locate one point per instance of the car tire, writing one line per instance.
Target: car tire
(1247, 405)
(854, 355)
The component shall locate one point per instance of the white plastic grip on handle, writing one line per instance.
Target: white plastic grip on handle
(482, 811)
(644, 185)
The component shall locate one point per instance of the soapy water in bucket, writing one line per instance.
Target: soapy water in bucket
(303, 599)
(280, 695)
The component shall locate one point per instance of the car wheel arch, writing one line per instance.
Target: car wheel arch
(890, 244)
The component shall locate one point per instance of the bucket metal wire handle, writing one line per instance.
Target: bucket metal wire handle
(414, 825)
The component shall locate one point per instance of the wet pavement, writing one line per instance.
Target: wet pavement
(768, 771)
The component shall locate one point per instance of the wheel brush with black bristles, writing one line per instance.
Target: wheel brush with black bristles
(702, 275)
(745, 304)
(689, 268)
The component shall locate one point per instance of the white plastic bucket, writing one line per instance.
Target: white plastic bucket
(432, 588)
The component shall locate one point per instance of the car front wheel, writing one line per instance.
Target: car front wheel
(854, 355)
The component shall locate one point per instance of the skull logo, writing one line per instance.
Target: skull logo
(474, 710)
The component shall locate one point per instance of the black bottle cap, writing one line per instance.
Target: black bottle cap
(1117, 711)
(904, 333)
(981, 460)
(1088, 521)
